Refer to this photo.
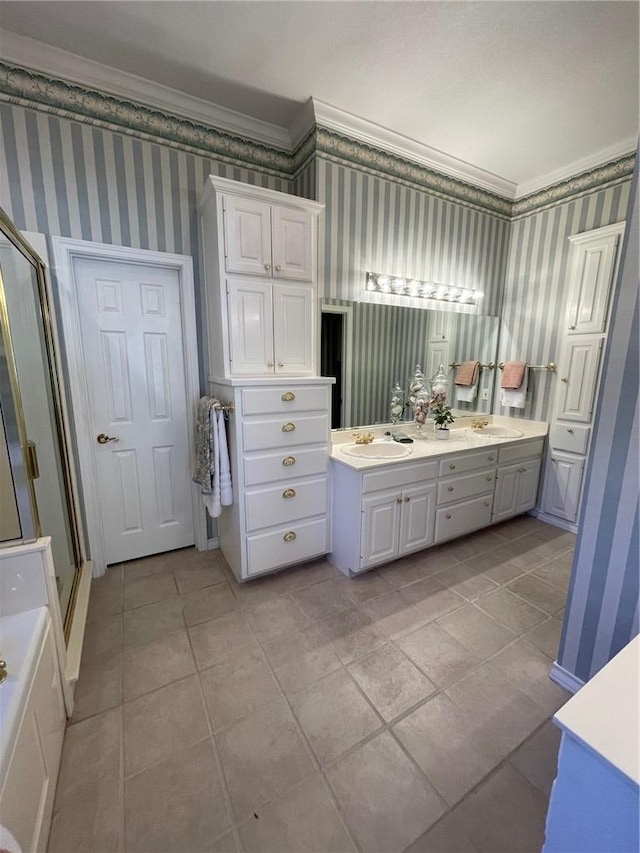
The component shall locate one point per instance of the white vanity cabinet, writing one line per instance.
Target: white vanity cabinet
(259, 258)
(593, 260)
(465, 493)
(278, 448)
(517, 480)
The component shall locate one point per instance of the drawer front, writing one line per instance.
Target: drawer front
(268, 551)
(284, 399)
(279, 466)
(570, 437)
(285, 432)
(526, 450)
(462, 518)
(468, 462)
(289, 501)
(399, 475)
(459, 488)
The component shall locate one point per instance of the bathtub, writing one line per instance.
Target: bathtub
(33, 721)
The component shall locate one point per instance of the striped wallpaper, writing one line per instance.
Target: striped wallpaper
(602, 607)
(534, 292)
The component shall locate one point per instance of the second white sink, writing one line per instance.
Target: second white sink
(378, 450)
(498, 432)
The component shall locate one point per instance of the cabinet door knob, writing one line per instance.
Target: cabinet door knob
(524, 469)
(267, 267)
(281, 364)
(489, 479)
(289, 460)
(289, 493)
(491, 458)
(450, 488)
(398, 500)
(288, 427)
(448, 515)
(288, 396)
(572, 327)
(564, 379)
(269, 364)
(569, 429)
(278, 267)
(289, 537)
(406, 500)
(452, 467)
(486, 503)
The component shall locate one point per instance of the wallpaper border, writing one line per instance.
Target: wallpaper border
(35, 90)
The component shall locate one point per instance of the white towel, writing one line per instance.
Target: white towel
(226, 489)
(467, 393)
(515, 398)
(212, 500)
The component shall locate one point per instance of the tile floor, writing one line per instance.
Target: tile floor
(407, 709)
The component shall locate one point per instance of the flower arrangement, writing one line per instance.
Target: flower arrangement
(440, 411)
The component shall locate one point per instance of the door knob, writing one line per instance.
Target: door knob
(278, 267)
(105, 439)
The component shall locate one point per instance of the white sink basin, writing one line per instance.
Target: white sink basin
(378, 450)
(498, 432)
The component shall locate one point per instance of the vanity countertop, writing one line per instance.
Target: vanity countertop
(462, 439)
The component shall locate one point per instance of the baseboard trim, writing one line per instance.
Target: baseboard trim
(212, 544)
(553, 519)
(565, 678)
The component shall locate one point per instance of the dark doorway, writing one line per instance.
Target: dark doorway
(331, 360)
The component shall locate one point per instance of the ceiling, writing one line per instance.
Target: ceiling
(524, 90)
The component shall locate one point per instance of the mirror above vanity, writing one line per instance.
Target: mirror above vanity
(369, 347)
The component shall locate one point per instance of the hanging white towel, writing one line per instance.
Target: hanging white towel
(515, 398)
(226, 489)
(212, 500)
(467, 393)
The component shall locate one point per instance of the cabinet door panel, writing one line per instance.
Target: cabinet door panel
(251, 326)
(292, 328)
(528, 485)
(593, 274)
(506, 496)
(247, 233)
(380, 528)
(578, 378)
(292, 244)
(418, 515)
(562, 485)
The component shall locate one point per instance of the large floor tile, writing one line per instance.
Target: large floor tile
(301, 658)
(537, 759)
(498, 707)
(208, 603)
(177, 805)
(325, 599)
(152, 565)
(275, 618)
(442, 658)
(352, 634)
(541, 594)
(403, 572)
(520, 553)
(527, 668)
(432, 601)
(307, 574)
(147, 589)
(506, 814)
(466, 582)
(152, 622)
(495, 565)
(198, 574)
(225, 844)
(257, 590)
(238, 688)
(546, 637)
(474, 544)
(394, 615)
(100, 737)
(448, 747)
(99, 685)
(221, 639)
(476, 631)
(447, 836)
(103, 636)
(434, 560)
(261, 756)
(162, 723)
(91, 822)
(334, 715)
(392, 683)
(157, 663)
(364, 587)
(106, 595)
(520, 526)
(386, 801)
(511, 610)
(304, 820)
(556, 572)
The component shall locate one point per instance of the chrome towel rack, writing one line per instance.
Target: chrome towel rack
(490, 366)
(551, 366)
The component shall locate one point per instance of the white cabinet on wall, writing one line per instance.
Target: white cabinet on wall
(259, 260)
(592, 266)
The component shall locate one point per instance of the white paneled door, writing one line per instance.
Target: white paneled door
(134, 365)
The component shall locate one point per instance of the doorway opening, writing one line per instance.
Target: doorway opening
(332, 359)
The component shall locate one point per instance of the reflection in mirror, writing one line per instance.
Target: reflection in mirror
(10, 527)
(368, 348)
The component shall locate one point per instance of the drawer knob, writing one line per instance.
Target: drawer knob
(564, 379)
(289, 493)
(453, 467)
(448, 515)
(288, 396)
(524, 469)
(406, 500)
(571, 328)
(489, 479)
(398, 500)
(450, 488)
(289, 537)
(491, 458)
(267, 267)
(569, 429)
(289, 460)
(281, 364)
(486, 503)
(269, 364)
(278, 267)
(288, 427)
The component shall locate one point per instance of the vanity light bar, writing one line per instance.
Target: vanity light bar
(398, 286)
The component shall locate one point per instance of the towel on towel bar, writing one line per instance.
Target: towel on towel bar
(212, 457)
(513, 374)
(467, 373)
(515, 398)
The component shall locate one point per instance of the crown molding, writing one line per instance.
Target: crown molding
(586, 164)
(29, 53)
(366, 132)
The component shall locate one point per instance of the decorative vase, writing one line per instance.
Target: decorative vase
(396, 403)
(442, 433)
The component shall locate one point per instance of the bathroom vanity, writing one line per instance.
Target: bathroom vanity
(387, 506)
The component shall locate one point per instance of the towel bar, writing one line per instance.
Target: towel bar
(490, 366)
(551, 367)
